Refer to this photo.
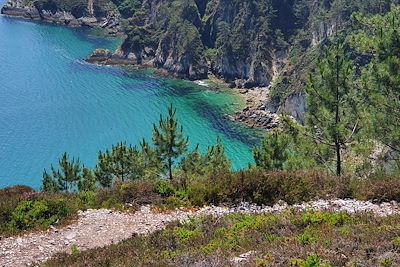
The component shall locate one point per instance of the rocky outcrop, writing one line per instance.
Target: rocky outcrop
(106, 57)
(51, 13)
(19, 8)
(256, 114)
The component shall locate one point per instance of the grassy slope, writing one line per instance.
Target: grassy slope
(279, 240)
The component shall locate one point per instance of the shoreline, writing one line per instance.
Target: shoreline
(16, 9)
(254, 114)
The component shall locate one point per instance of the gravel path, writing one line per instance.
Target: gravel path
(98, 228)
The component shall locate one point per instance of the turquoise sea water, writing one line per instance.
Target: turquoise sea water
(51, 101)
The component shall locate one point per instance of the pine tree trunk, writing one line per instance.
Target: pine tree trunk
(170, 168)
(122, 172)
(337, 120)
(338, 159)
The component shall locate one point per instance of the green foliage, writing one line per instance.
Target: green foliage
(193, 163)
(332, 105)
(310, 261)
(120, 164)
(164, 188)
(304, 239)
(102, 171)
(152, 163)
(211, 54)
(216, 160)
(9, 199)
(273, 153)
(127, 8)
(49, 185)
(65, 178)
(333, 219)
(396, 243)
(303, 154)
(74, 250)
(88, 181)
(386, 262)
(185, 235)
(87, 199)
(216, 240)
(38, 213)
(378, 38)
(168, 140)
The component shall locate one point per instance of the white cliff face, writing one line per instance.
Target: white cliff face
(294, 106)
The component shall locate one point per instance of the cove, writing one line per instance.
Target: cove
(51, 102)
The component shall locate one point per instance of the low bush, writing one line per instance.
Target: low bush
(266, 187)
(221, 187)
(9, 200)
(136, 193)
(37, 213)
(377, 189)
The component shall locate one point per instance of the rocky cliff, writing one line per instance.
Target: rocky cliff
(72, 13)
(246, 43)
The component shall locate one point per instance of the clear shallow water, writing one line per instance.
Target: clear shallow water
(51, 101)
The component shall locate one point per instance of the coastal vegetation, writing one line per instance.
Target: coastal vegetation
(348, 147)
(308, 239)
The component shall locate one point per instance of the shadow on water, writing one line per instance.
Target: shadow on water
(77, 66)
(177, 88)
(98, 38)
(221, 124)
(138, 80)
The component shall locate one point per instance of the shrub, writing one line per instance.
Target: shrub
(185, 235)
(38, 213)
(311, 261)
(86, 199)
(265, 187)
(304, 239)
(138, 192)
(74, 250)
(9, 199)
(396, 243)
(377, 189)
(164, 188)
(333, 219)
(387, 262)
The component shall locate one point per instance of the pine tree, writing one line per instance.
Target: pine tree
(216, 160)
(67, 175)
(102, 171)
(302, 152)
(168, 140)
(379, 38)
(332, 104)
(149, 154)
(88, 181)
(135, 162)
(119, 161)
(193, 163)
(273, 152)
(48, 184)
(152, 164)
